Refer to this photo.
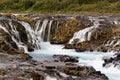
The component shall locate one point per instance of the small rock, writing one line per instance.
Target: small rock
(14, 66)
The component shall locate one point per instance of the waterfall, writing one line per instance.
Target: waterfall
(41, 31)
(37, 25)
(14, 36)
(49, 29)
(34, 36)
(82, 35)
(14, 32)
(85, 34)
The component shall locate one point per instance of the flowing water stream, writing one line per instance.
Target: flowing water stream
(85, 58)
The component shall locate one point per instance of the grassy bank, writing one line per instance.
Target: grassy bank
(61, 6)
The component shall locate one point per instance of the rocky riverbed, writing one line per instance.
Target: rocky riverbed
(20, 33)
(60, 67)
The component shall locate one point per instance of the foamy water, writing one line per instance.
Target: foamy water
(85, 58)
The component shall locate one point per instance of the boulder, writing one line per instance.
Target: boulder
(37, 76)
(65, 58)
(115, 60)
(83, 73)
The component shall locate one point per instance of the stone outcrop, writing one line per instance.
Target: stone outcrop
(114, 60)
(84, 73)
(68, 28)
(104, 37)
(65, 58)
(15, 67)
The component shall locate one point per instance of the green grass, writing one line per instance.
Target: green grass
(60, 6)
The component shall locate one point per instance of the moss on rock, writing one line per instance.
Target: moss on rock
(66, 31)
(31, 21)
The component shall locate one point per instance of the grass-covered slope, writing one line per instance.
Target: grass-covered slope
(60, 6)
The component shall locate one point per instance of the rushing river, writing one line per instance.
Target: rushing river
(85, 58)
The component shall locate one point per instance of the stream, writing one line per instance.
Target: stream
(85, 58)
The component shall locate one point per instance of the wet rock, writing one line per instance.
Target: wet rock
(6, 42)
(80, 49)
(83, 73)
(50, 67)
(65, 58)
(28, 19)
(115, 60)
(83, 46)
(37, 76)
(78, 70)
(104, 31)
(66, 31)
(99, 76)
(69, 46)
(30, 47)
(22, 31)
(20, 53)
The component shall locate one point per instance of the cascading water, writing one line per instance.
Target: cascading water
(49, 29)
(85, 34)
(41, 31)
(34, 37)
(15, 36)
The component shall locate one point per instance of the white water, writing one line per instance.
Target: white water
(41, 32)
(50, 78)
(49, 30)
(85, 58)
(34, 36)
(15, 37)
(85, 34)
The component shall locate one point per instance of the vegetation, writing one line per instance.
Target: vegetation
(60, 6)
(66, 31)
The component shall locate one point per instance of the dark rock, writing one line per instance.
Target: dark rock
(50, 67)
(80, 49)
(68, 46)
(65, 58)
(99, 75)
(22, 32)
(66, 31)
(30, 47)
(78, 70)
(112, 60)
(37, 76)
(83, 73)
